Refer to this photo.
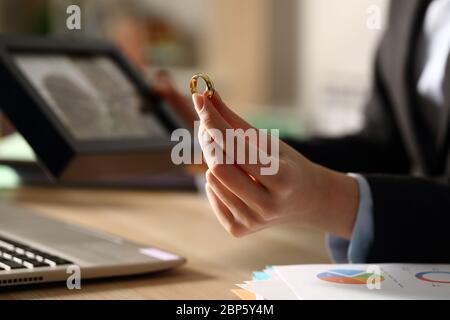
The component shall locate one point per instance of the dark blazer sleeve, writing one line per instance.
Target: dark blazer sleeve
(411, 219)
(411, 215)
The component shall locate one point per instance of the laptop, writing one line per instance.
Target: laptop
(36, 249)
(87, 115)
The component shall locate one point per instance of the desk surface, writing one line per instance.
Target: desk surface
(176, 221)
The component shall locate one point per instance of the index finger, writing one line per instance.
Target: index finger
(219, 130)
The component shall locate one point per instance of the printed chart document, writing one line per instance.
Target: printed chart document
(271, 287)
(354, 281)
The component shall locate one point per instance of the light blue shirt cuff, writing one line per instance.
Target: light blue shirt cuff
(357, 249)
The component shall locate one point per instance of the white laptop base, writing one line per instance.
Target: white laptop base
(37, 249)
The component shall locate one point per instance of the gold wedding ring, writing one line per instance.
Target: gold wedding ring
(208, 81)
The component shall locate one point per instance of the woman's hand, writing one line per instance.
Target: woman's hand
(245, 200)
(180, 104)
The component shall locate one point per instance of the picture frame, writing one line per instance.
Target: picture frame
(64, 155)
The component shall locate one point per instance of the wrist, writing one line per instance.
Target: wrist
(337, 197)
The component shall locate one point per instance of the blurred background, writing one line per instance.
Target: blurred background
(302, 66)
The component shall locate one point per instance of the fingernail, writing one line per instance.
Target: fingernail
(199, 101)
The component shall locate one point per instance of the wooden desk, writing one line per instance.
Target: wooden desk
(180, 222)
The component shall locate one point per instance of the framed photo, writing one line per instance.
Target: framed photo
(84, 110)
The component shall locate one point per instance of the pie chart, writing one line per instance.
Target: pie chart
(434, 276)
(348, 276)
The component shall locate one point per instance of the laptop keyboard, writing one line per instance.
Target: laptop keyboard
(15, 255)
